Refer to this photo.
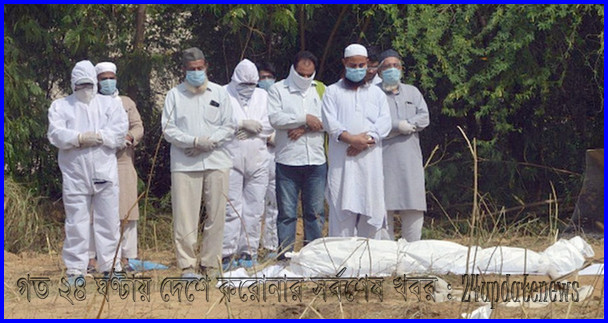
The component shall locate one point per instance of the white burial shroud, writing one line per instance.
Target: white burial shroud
(328, 256)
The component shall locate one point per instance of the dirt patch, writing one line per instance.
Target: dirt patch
(392, 305)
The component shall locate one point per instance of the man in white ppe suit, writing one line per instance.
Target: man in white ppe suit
(270, 238)
(88, 129)
(127, 176)
(197, 121)
(249, 174)
(404, 191)
(357, 118)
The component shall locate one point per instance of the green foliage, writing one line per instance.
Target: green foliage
(525, 80)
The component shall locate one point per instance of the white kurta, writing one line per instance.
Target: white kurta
(355, 184)
(403, 165)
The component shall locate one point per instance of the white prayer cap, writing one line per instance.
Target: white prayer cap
(105, 67)
(355, 50)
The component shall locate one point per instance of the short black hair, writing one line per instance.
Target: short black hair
(267, 66)
(372, 53)
(305, 55)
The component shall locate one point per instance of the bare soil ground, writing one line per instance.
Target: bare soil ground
(16, 305)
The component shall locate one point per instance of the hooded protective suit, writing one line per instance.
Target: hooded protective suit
(90, 178)
(249, 174)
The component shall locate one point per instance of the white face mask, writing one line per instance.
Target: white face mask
(245, 91)
(301, 83)
(85, 95)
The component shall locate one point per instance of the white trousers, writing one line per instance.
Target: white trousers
(128, 246)
(270, 238)
(353, 225)
(411, 224)
(103, 204)
(243, 227)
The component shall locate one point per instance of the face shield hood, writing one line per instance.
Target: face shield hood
(84, 72)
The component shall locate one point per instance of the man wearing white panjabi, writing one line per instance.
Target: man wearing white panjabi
(249, 173)
(356, 116)
(88, 129)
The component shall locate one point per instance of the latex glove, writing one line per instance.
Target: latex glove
(252, 126)
(192, 152)
(89, 139)
(405, 127)
(242, 134)
(204, 144)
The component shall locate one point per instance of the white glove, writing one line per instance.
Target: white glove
(252, 126)
(204, 144)
(406, 128)
(242, 134)
(192, 152)
(89, 139)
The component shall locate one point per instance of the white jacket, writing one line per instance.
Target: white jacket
(252, 149)
(69, 117)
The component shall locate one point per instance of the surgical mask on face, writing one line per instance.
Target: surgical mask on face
(355, 74)
(85, 95)
(107, 87)
(265, 84)
(196, 78)
(245, 91)
(391, 76)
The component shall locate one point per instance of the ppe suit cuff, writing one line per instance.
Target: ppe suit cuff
(106, 141)
(395, 124)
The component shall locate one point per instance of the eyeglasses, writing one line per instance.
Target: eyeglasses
(391, 65)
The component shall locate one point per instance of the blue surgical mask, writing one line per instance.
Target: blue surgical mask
(391, 76)
(266, 84)
(355, 74)
(196, 78)
(107, 86)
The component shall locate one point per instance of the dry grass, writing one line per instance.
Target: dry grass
(27, 233)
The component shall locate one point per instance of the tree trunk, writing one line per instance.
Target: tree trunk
(365, 25)
(138, 44)
(268, 55)
(139, 26)
(302, 31)
(330, 40)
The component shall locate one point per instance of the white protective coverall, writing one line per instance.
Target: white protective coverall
(90, 176)
(355, 184)
(270, 237)
(249, 174)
